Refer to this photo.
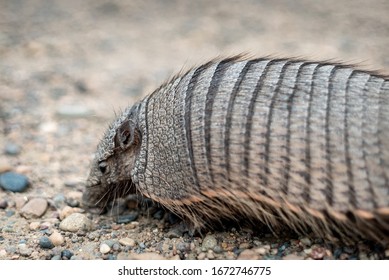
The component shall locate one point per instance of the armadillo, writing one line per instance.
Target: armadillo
(285, 142)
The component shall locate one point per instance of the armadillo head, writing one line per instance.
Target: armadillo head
(109, 177)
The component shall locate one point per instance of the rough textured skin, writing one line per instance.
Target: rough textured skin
(286, 142)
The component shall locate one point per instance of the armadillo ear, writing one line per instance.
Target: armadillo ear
(126, 135)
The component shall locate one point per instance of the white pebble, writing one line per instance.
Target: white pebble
(127, 242)
(75, 222)
(104, 248)
(56, 238)
(35, 208)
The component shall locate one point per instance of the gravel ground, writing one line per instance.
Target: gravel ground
(67, 66)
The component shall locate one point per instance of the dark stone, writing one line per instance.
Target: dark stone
(3, 204)
(217, 249)
(66, 254)
(183, 247)
(125, 219)
(81, 86)
(337, 253)
(72, 202)
(174, 233)
(173, 219)
(349, 250)
(116, 247)
(13, 182)
(159, 214)
(282, 248)
(45, 243)
(12, 149)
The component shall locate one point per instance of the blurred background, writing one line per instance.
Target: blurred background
(130, 47)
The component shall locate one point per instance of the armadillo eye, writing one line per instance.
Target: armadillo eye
(103, 167)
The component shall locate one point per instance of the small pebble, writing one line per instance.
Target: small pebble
(81, 86)
(24, 250)
(174, 233)
(45, 243)
(132, 225)
(217, 249)
(77, 195)
(45, 225)
(13, 182)
(262, 251)
(248, 254)
(12, 149)
(387, 253)
(209, 242)
(56, 238)
(71, 183)
(8, 228)
(4, 166)
(104, 248)
(48, 127)
(75, 222)
(210, 255)
(20, 201)
(318, 253)
(73, 111)
(3, 253)
(244, 245)
(67, 211)
(59, 201)
(34, 208)
(72, 202)
(34, 225)
(201, 256)
(56, 258)
(308, 251)
(306, 241)
(183, 247)
(127, 242)
(125, 219)
(110, 242)
(116, 247)
(3, 204)
(66, 255)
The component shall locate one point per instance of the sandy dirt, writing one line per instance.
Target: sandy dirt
(66, 67)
